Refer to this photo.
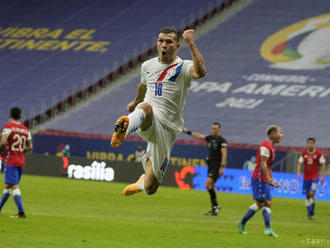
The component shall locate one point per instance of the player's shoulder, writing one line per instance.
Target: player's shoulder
(267, 143)
(7, 125)
(17, 125)
(318, 152)
(149, 62)
(222, 139)
(187, 61)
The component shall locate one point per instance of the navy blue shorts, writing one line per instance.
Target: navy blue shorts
(261, 190)
(13, 174)
(309, 186)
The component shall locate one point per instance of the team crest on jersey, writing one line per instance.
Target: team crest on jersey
(171, 72)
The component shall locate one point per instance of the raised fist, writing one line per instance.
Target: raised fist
(188, 36)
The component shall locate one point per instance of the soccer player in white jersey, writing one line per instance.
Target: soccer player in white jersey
(156, 111)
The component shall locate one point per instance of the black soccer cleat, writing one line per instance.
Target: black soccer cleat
(19, 216)
(214, 211)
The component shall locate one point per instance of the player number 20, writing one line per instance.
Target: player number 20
(19, 143)
(158, 89)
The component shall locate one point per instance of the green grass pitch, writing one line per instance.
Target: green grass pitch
(71, 213)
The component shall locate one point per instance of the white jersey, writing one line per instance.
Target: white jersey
(167, 87)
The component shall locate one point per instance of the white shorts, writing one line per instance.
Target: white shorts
(160, 144)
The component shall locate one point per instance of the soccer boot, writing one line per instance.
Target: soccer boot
(120, 131)
(18, 216)
(270, 232)
(214, 211)
(311, 217)
(133, 188)
(241, 228)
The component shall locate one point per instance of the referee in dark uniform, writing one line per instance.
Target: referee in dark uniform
(217, 160)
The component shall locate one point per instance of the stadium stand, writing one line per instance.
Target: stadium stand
(45, 61)
(260, 72)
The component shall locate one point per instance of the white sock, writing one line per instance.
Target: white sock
(141, 186)
(16, 191)
(308, 202)
(254, 207)
(5, 191)
(268, 210)
(135, 120)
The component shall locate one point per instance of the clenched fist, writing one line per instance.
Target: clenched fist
(131, 106)
(188, 36)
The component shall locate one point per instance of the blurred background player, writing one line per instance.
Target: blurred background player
(157, 111)
(216, 161)
(262, 181)
(312, 159)
(138, 155)
(15, 141)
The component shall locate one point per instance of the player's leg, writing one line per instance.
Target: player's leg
(141, 117)
(5, 195)
(18, 201)
(9, 181)
(210, 186)
(312, 197)
(17, 193)
(259, 203)
(147, 182)
(307, 186)
(267, 211)
(151, 184)
(311, 204)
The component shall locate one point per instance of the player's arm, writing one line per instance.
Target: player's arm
(198, 70)
(4, 139)
(224, 157)
(194, 134)
(28, 144)
(299, 165)
(323, 168)
(141, 92)
(223, 160)
(264, 160)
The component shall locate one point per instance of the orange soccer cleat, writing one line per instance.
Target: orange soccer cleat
(133, 188)
(120, 132)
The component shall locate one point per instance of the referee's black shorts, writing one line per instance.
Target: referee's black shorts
(213, 172)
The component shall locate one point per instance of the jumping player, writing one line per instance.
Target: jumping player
(312, 159)
(157, 111)
(15, 141)
(262, 181)
(217, 160)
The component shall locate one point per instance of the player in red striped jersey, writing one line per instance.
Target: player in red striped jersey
(312, 159)
(262, 181)
(15, 141)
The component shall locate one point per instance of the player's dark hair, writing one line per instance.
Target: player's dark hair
(311, 139)
(271, 129)
(169, 30)
(217, 123)
(15, 113)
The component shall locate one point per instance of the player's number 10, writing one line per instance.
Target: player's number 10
(158, 89)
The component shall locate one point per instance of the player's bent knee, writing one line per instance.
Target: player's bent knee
(150, 190)
(146, 108)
